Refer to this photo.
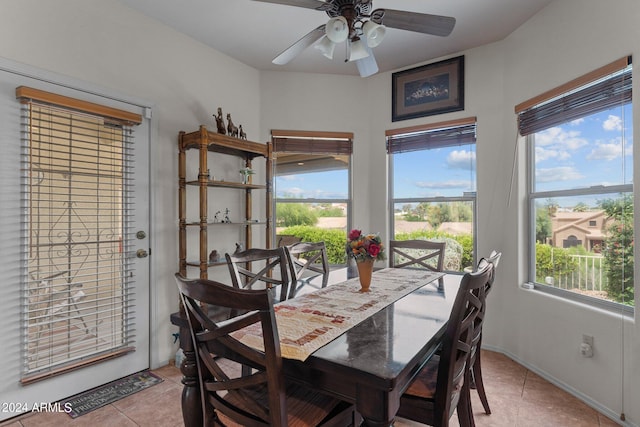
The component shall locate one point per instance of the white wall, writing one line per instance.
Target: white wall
(564, 41)
(112, 46)
(123, 51)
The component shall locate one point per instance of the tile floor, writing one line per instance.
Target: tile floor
(517, 397)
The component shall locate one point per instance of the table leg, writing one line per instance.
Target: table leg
(191, 404)
(377, 408)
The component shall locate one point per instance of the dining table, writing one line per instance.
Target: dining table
(385, 338)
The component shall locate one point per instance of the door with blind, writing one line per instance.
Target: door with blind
(74, 264)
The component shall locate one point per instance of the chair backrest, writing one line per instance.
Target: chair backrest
(494, 259)
(270, 270)
(239, 397)
(307, 260)
(464, 323)
(417, 254)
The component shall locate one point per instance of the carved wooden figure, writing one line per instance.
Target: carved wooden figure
(220, 122)
(242, 134)
(231, 128)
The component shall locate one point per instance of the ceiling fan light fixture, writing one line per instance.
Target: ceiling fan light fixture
(325, 46)
(337, 29)
(374, 33)
(357, 49)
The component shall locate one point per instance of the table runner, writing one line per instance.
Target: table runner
(308, 322)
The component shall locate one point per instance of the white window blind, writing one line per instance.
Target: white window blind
(78, 281)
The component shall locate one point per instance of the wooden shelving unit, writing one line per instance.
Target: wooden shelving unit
(206, 143)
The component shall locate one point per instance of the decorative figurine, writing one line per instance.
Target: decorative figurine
(226, 216)
(220, 122)
(239, 248)
(214, 256)
(215, 217)
(231, 128)
(242, 134)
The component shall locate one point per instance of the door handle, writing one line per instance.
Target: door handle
(141, 253)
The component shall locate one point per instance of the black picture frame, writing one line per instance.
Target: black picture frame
(427, 90)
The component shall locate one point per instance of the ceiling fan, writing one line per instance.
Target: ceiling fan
(354, 22)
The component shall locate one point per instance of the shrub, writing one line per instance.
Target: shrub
(465, 240)
(553, 262)
(334, 240)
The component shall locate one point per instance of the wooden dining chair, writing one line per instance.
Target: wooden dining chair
(417, 254)
(260, 269)
(262, 398)
(476, 364)
(442, 385)
(307, 261)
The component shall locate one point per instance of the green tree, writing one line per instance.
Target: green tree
(543, 224)
(581, 207)
(329, 211)
(290, 214)
(618, 248)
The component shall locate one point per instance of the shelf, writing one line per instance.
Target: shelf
(209, 264)
(205, 146)
(218, 143)
(243, 223)
(230, 184)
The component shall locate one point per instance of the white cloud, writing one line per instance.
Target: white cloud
(608, 151)
(293, 191)
(461, 159)
(562, 173)
(577, 122)
(546, 154)
(612, 123)
(444, 184)
(562, 139)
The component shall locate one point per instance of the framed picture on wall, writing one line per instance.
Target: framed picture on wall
(429, 89)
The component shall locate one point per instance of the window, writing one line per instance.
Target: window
(433, 186)
(78, 284)
(312, 188)
(581, 187)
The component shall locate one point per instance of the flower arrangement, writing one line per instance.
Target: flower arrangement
(362, 247)
(245, 174)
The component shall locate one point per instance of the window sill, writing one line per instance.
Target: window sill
(609, 306)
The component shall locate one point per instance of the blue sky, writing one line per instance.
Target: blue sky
(595, 150)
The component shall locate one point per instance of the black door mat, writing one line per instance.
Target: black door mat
(98, 397)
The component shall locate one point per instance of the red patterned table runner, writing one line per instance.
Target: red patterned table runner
(308, 322)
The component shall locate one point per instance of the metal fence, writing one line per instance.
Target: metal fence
(590, 274)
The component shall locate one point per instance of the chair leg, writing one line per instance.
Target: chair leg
(477, 380)
(464, 409)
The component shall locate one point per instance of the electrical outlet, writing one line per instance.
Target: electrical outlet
(586, 348)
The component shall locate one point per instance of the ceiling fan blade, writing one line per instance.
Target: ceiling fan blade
(295, 49)
(436, 25)
(309, 4)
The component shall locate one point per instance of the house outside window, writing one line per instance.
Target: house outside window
(580, 156)
(432, 187)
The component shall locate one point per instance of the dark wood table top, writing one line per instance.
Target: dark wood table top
(373, 363)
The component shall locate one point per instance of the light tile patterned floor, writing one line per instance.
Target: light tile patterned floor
(517, 397)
